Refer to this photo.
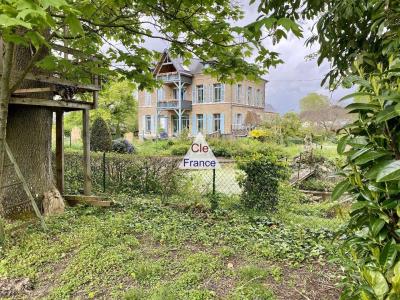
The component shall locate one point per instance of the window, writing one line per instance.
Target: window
(175, 93)
(200, 122)
(147, 124)
(258, 97)
(238, 93)
(160, 94)
(217, 92)
(249, 92)
(217, 122)
(147, 98)
(175, 121)
(239, 119)
(200, 93)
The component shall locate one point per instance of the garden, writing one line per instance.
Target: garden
(169, 236)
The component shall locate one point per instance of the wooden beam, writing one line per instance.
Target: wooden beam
(63, 104)
(56, 80)
(35, 90)
(87, 174)
(92, 200)
(60, 151)
(74, 52)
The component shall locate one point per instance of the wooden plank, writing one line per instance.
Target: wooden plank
(63, 104)
(92, 200)
(87, 174)
(72, 51)
(60, 151)
(25, 185)
(56, 80)
(35, 90)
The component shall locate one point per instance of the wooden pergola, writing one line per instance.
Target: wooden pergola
(53, 82)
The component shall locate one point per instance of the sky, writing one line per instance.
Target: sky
(292, 80)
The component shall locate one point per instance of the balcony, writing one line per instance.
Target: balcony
(174, 77)
(174, 104)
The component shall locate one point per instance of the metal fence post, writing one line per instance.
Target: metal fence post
(213, 187)
(104, 172)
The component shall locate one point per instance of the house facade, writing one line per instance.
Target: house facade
(193, 101)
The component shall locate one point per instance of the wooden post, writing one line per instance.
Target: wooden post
(87, 174)
(60, 151)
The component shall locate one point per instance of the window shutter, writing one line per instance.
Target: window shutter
(223, 93)
(143, 123)
(211, 89)
(209, 123)
(222, 123)
(152, 125)
(194, 125)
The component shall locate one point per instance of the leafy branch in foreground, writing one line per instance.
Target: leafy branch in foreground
(372, 174)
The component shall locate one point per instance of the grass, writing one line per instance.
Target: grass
(142, 249)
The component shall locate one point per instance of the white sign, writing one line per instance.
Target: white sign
(199, 156)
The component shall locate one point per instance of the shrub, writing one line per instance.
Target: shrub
(122, 146)
(259, 134)
(100, 136)
(260, 182)
(179, 149)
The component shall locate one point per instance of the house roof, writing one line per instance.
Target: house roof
(196, 65)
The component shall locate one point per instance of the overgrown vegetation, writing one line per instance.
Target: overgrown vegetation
(142, 249)
(260, 181)
(126, 174)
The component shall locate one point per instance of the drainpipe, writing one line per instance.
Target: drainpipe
(180, 106)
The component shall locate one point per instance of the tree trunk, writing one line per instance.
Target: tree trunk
(29, 138)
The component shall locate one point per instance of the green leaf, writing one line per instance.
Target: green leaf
(359, 153)
(358, 141)
(372, 173)
(388, 255)
(389, 172)
(356, 107)
(387, 114)
(340, 189)
(74, 24)
(355, 95)
(54, 3)
(342, 144)
(6, 21)
(377, 226)
(377, 282)
(370, 155)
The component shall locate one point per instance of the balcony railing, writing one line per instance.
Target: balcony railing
(174, 77)
(174, 104)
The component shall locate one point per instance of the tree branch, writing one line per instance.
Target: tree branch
(27, 69)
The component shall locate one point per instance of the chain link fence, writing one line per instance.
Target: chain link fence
(223, 180)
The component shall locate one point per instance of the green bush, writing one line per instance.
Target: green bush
(260, 182)
(100, 136)
(179, 149)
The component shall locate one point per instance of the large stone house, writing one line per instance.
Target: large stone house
(194, 101)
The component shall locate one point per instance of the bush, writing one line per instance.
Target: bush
(122, 146)
(100, 136)
(259, 134)
(179, 149)
(260, 182)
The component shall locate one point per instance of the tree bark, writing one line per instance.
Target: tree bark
(6, 65)
(29, 138)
